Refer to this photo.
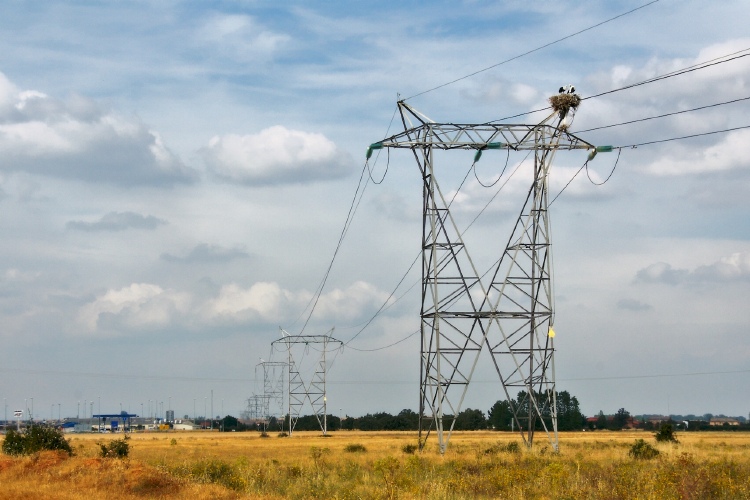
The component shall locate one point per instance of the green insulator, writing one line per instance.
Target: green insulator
(373, 146)
(604, 149)
(478, 155)
(495, 145)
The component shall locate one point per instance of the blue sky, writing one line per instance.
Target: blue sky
(174, 178)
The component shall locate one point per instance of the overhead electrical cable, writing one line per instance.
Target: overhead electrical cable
(350, 215)
(630, 146)
(688, 69)
(383, 307)
(349, 218)
(633, 146)
(664, 115)
(533, 50)
(387, 303)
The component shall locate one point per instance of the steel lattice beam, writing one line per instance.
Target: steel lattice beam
(314, 390)
(461, 315)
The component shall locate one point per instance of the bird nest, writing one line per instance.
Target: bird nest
(562, 103)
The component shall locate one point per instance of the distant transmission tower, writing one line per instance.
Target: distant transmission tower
(510, 312)
(273, 388)
(257, 408)
(313, 390)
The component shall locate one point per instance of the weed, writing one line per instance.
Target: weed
(409, 449)
(665, 434)
(355, 448)
(641, 450)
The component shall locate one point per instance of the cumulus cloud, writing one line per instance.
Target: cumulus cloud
(270, 303)
(208, 253)
(140, 306)
(118, 221)
(149, 307)
(728, 154)
(77, 139)
(276, 155)
(735, 267)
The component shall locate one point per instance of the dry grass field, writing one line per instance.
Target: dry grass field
(349, 465)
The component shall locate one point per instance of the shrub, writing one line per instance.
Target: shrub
(409, 449)
(665, 434)
(355, 448)
(283, 434)
(34, 439)
(641, 450)
(119, 448)
(513, 447)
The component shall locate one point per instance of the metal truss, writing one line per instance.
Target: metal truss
(314, 390)
(464, 312)
(257, 407)
(273, 388)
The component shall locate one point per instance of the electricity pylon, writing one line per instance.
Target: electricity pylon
(509, 314)
(273, 388)
(314, 390)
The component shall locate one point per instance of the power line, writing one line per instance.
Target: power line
(533, 50)
(630, 146)
(688, 69)
(663, 116)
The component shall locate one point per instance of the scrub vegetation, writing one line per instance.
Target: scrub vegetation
(352, 464)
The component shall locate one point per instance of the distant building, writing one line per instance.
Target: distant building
(185, 425)
(717, 421)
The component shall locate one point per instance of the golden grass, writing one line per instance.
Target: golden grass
(205, 465)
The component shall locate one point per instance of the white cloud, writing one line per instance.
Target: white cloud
(730, 153)
(241, 37)
(276, 155)
(268, 302)
(735, 267)
(136, 307)
(76, 139)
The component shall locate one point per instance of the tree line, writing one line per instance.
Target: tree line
(498, 417)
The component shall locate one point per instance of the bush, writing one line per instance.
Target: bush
(34, 439)
(513, 447)
(119, 448)
(409, 449)
(665, 434)
(355, 448)
(641, 450)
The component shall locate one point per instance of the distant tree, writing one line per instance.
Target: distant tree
(569, 416)
(470, 420)
(621, 419)
(601, 420)
(499, 416)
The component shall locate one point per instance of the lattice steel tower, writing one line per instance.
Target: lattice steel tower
(508, 310)
(274, 388)
(314, 390)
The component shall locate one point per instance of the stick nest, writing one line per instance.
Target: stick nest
(562, 103)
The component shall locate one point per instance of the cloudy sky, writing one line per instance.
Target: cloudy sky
(175, 177)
